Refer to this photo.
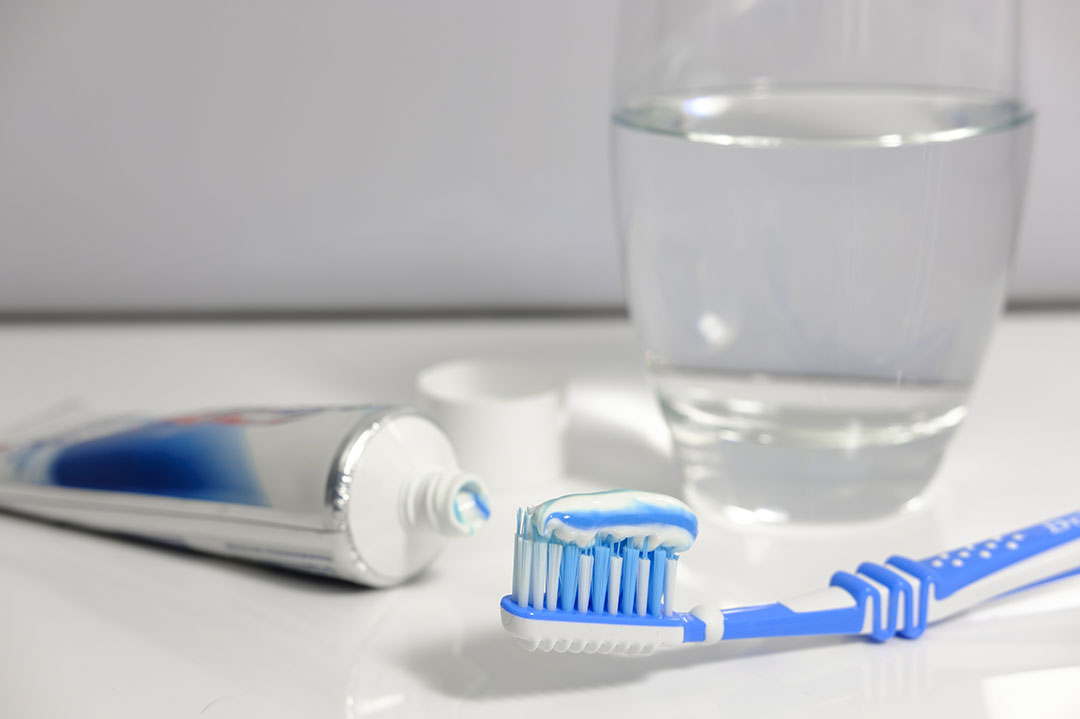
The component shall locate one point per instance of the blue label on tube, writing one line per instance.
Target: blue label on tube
(206, 460)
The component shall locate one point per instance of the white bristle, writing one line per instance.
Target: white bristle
(584, 581)
(524, 573)
(669, 586)
(642, 597)
(614, 582)
(553, 564)
(539, 574)
(516, 580)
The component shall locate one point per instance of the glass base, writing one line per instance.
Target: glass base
(762, 484)
(806, 451)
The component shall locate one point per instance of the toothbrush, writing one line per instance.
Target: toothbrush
(595, 573)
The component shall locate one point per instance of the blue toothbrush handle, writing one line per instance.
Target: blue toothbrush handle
(959, 568)
(901, 596)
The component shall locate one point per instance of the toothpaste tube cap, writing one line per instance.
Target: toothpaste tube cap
(505, 418)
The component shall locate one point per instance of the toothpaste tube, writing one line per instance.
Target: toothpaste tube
(367, 494)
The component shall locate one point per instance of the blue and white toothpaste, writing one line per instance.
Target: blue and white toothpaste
(367, 494)
(656, 520)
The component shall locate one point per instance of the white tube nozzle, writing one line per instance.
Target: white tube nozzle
(450, 502)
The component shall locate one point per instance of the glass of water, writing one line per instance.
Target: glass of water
(818, 202)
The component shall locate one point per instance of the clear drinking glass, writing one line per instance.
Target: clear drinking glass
(818, 202)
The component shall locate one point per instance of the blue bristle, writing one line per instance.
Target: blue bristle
(601, 571)
(568, 578)
(630, 556)
(658, 565)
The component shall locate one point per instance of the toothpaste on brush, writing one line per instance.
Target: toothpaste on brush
(367, 494)
(647, 518)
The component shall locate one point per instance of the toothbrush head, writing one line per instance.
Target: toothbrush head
(596, 573)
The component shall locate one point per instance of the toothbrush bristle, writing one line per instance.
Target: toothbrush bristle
(624, 577)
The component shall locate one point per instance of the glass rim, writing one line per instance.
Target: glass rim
(1018, 113)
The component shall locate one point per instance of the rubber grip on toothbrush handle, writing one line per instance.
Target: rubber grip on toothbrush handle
(960, 568)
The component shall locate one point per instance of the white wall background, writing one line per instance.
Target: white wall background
(375, 154)
(1048, 266)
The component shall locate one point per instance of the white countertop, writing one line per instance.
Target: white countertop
(93, 626)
